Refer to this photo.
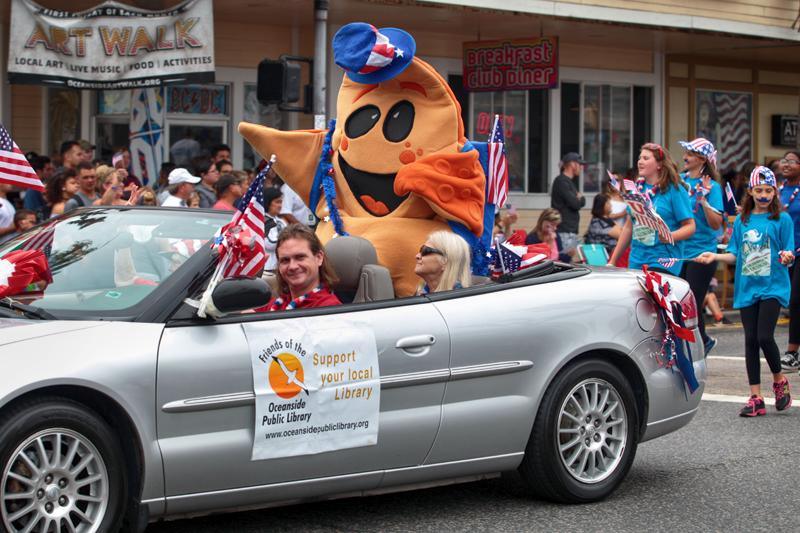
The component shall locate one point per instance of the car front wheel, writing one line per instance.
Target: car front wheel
(584, 438)
(61, 469)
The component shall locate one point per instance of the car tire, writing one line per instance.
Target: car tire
(584, 438)
(87, 477)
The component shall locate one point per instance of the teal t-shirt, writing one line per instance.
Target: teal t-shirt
(646, 249)
(704, 238)
(790, 200)
(759, 272)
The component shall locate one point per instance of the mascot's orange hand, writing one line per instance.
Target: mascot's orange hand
(453, 184)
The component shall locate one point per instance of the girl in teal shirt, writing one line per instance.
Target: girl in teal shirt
(660, 180)
(705, 196)
(761, 247)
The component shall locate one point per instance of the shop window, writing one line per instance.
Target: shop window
(197, 120)
(257, 113)
(112, 128)
(606, 124)
(198, 99)
(524, 118)
(63, 117)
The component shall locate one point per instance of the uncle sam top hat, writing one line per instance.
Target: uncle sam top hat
(370, 55)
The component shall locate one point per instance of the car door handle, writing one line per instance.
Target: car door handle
(417, 345)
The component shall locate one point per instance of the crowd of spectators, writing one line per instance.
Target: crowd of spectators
(74, 178)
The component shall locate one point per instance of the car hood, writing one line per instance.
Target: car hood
(14, 329)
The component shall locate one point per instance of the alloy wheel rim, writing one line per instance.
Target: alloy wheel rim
(55, 481)
(592, 431)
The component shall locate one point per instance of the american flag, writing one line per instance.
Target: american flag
(613, 179)
(729, 193)
(497, 180)
(249, 215)
(668, 262)
(511, 257)
(14, 167)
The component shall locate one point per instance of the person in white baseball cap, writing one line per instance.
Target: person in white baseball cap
(181, 186)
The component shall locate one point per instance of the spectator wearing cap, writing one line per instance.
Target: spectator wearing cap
(567, 200)
(71, 154)
(181, 186)
(229, 190)
(209, 175)
(88, 150)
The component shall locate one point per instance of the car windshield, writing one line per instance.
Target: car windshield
(109, 259)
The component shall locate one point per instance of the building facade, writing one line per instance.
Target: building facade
(629, 72)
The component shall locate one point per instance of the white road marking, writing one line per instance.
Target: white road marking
(725, 357)
(735, 399)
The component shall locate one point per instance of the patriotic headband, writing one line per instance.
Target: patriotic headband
(701, 146)
(370, 55)
(762, 176)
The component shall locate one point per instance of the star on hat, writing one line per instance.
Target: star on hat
(370, 55)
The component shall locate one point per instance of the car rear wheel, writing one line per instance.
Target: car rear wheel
(584, 438)
(61, 470)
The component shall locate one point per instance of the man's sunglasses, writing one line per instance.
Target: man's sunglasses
(427, 250)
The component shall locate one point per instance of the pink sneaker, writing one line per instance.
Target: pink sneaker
(754, 407)
(783, 400)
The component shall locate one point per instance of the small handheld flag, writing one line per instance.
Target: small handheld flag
(669, 262)
(612, 179)
(729, 194)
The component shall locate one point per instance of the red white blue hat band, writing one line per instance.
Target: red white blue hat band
(701, 146)
(370, 55)
(762, 176)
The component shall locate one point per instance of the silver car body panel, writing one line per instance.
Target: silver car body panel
(462, 406)
(117, 359)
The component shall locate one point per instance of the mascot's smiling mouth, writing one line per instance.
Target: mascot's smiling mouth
(375, 192)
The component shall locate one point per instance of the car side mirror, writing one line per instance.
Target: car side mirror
(239, 294)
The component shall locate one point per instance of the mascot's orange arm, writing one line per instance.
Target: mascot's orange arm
(453, 184)
(298, 153)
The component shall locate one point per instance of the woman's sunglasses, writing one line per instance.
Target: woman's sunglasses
(427, 250)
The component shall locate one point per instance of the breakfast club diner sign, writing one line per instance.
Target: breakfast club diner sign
(509, 65)
(111, 46)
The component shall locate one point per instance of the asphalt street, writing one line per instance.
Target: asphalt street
(720, 473)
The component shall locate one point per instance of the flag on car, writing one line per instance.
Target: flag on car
(241, 241)
(14, 167)
(20, 268)
(497, 180)
(513, 254)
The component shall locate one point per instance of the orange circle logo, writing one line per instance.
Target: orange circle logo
(286, 376)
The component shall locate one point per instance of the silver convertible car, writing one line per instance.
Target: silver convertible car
(119, 406)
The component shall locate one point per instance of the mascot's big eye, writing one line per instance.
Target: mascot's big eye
(399, 122)
(361, 121)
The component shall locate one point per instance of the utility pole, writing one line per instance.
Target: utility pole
(320, 62)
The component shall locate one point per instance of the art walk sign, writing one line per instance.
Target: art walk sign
(111, 46)
(510, 65)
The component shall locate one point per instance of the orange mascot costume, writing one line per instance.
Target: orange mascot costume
(396, 165)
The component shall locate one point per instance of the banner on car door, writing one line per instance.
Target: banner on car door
(111, 46)
(317, 388)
